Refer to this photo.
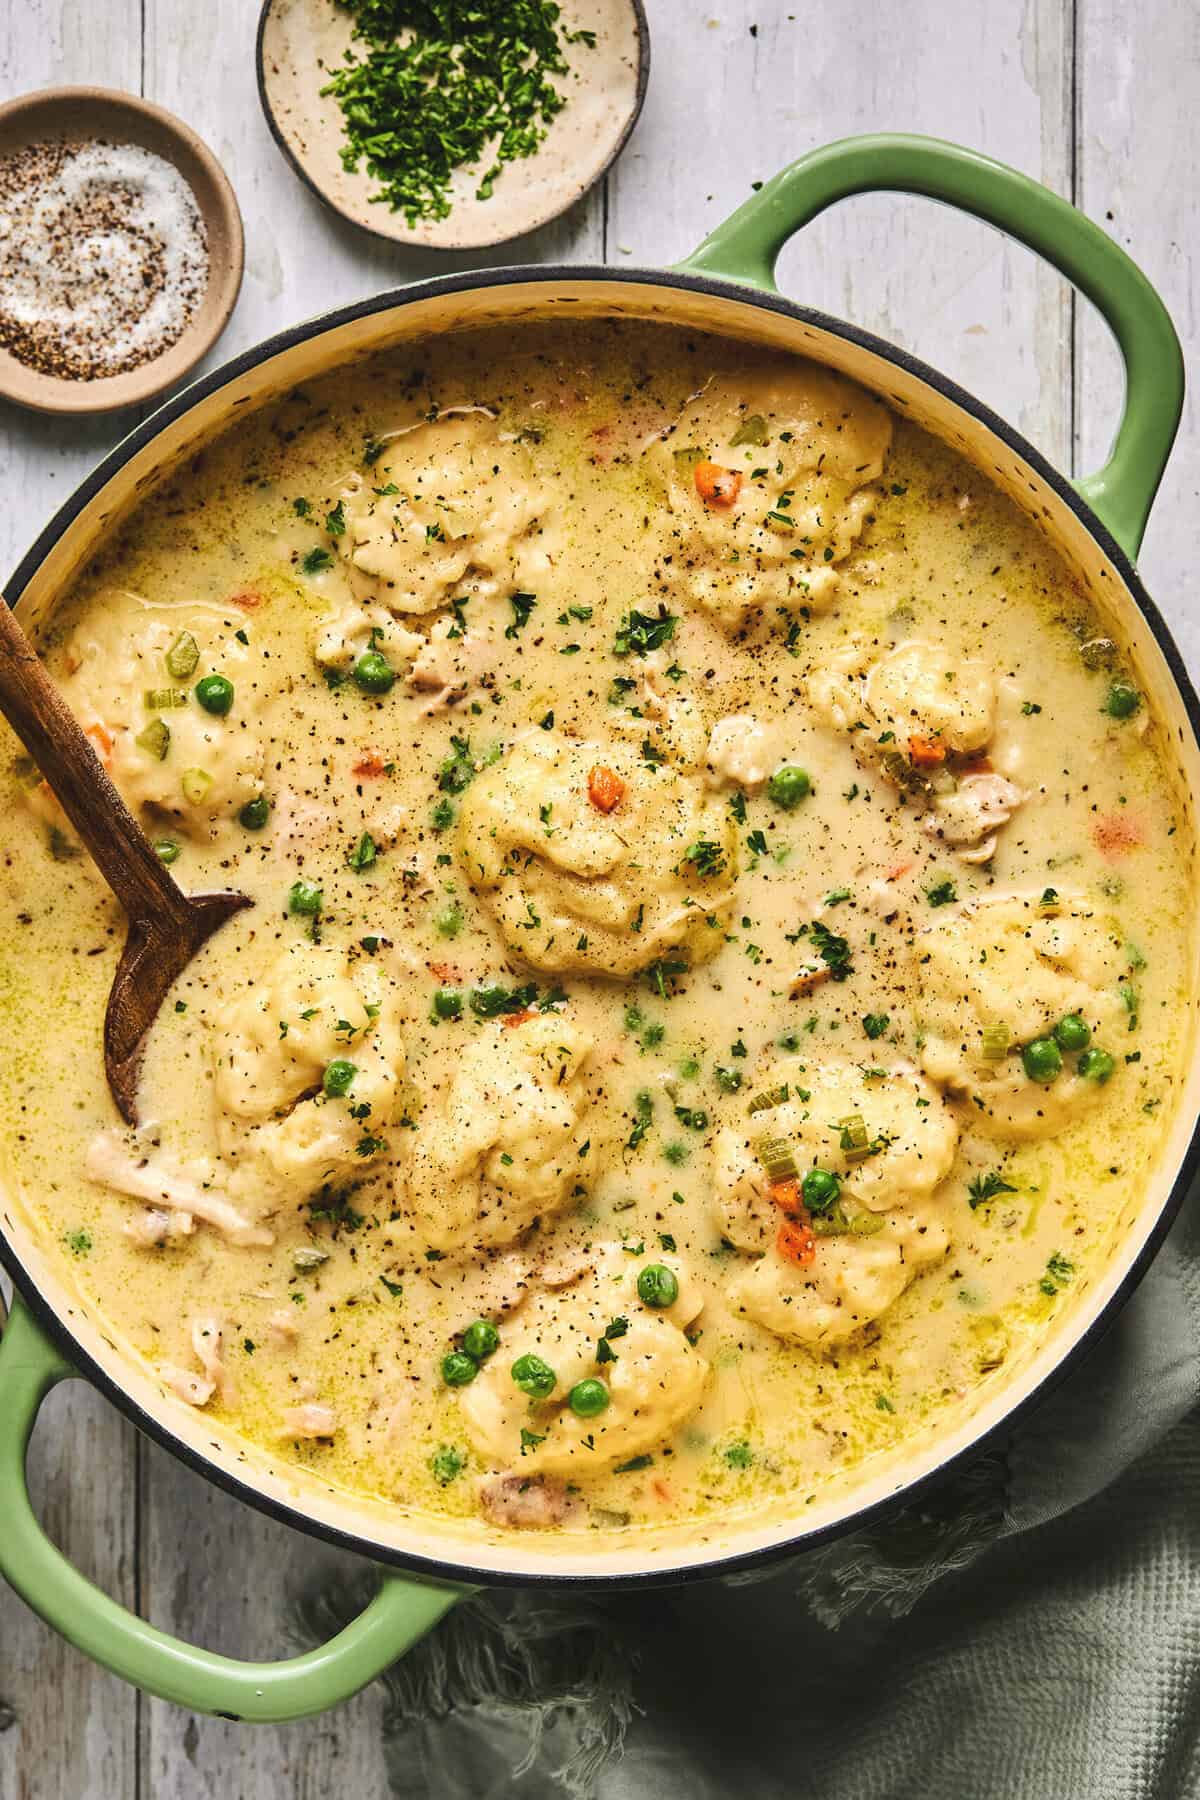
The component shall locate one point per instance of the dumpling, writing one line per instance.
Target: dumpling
(502, 1148)
(1012, 968)
(850, 1281)
(769, 488)
(742, 752)
(180, 765)
(450, 502)
(307, 1064)
(918, 694)
(597, 861)
(654, 1377)
(925, 716)
(913, 1136)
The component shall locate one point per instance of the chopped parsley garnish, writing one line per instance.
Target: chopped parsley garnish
(943, 893)
(490, 1001)
(644, 1114)
(522, 605)
(706, 857)
(316, 561)
(833, 950)
(364, 853)
(639, 633)
(1059, 1271)
(875, 1024)
(982, 1188)
(429, 87)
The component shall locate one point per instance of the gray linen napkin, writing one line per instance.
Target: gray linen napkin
(1031, 1631)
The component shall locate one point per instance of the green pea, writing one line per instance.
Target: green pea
(1096, 1065)
(166, 850)
(1072, 1032)
(338, 1078)
(373, 673)
(1042, 1059)
(255, 813)
(481, 1339)
(820, 1188)
(447, 1003)
(1122, 699)
(305, 897)
(657, 1285)
(587, 1399)
(215, 694)
(533, 1376)
(459, 1369)
(788, 786)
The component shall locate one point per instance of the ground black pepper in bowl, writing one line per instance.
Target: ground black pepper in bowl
(103, 257)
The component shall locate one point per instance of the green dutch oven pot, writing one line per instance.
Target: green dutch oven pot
(727, 286)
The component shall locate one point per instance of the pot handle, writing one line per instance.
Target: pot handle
(262, 1693)
(746, 246)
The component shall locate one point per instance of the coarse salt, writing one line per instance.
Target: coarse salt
(103, 257)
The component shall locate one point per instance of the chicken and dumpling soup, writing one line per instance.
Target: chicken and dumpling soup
(716, 970)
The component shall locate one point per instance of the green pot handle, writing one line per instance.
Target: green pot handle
(746, 246)
(263, 1693)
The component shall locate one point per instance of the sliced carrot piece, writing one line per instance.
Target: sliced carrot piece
(796, 1241)
(786, 1195)
(247, 599)
(1116, 834)
(715, 485)
(519, 1018)
(370, 764)
(925, 753)
(606, 790)
(897, 870)
(102, 739)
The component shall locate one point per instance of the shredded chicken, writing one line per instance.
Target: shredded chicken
(309, 1420)
(527, 1502)
(154, 1227)
(192, 1388)
(282, 1326)
(112, 1163)
(969, 818)
(208, 1343)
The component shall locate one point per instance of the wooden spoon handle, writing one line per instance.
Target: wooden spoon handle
(50, 732)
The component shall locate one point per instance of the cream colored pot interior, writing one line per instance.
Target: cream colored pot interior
(475, 1546)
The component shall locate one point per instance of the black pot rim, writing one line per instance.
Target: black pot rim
(462, 1573)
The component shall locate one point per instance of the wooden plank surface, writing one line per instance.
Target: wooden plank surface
(1138, 162)
(1088, 95)
(66, 1728)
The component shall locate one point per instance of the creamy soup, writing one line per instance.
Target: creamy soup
(721, 907)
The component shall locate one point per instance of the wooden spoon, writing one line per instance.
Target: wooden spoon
(166, 926)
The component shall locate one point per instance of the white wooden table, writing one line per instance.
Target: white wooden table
(1094, 97)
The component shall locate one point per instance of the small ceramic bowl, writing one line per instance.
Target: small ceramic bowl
(75, 115)
(300, 41)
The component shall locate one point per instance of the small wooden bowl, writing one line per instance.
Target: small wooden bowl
(74, 115)
(300, 41)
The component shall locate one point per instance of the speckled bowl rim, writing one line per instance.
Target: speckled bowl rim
(190, 156)
(409, 239)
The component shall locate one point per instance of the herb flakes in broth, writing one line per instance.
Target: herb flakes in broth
(715, 975)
